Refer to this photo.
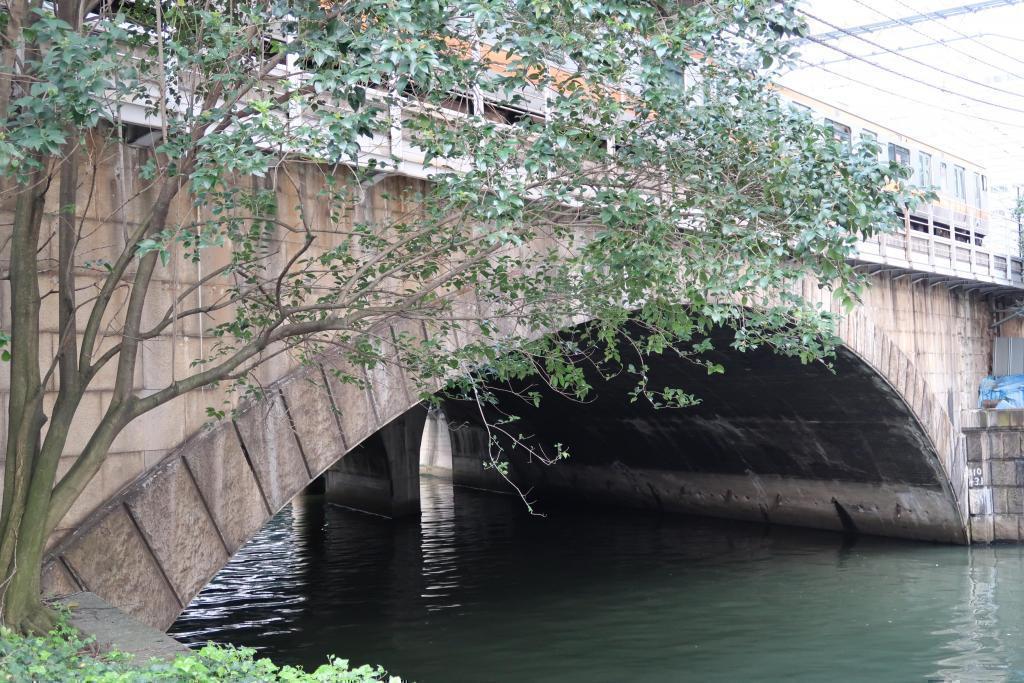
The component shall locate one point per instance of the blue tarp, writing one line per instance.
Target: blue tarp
(1008, 390)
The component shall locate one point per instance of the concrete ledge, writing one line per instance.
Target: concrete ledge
(115, 630)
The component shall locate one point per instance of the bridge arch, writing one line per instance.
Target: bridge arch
(771, 440)
(179, 523)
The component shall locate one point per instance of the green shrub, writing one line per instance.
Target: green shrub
(63, 655)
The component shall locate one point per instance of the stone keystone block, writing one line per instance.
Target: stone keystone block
(1003, 472)
(56, 580)
(312, 413)
(181, 534)
(1005, 528)
(977, 475)
(355, 412)
(1014, 503)
(113, 561)
(980, 501)
(981, 529)
(389, 387)
(268, 438)
(1009, 444)
(227, 484)
(975, 448)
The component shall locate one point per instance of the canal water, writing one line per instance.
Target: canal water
(477, 590)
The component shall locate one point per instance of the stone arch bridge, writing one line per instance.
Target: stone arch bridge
(875, 447)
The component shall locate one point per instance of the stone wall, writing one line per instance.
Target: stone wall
(930, 343)
(946, 332)
(114, 200)
(995, 461)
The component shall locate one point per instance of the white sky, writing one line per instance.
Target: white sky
(985, 47)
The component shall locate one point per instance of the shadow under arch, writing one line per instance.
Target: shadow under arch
(157, 542)
(772, 440)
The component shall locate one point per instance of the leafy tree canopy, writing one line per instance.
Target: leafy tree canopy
(575, 160)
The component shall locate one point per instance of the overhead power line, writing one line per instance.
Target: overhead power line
(913, 79)
(934, 40)
(915, 100)
(921, 17)
(912, 59)
(878, 53)
(970, 38)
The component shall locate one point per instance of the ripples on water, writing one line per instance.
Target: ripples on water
(479, 591)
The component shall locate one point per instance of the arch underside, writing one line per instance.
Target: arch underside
(772, 440)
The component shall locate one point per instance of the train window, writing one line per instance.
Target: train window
(960, 183)
(840, 132)
(140, 135)
(919, 224)
(900, 155)
(924, 169)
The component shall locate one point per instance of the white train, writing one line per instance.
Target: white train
(961, 213)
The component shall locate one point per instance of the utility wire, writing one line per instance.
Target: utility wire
(933, 39)
(964, 35)
(920, 17)
(910, 59)
(914, 80)
(908, 98)
(879, 53)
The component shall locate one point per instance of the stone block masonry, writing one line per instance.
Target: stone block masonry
(995, 473)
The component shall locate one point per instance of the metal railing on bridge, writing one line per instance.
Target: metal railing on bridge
(946, 258)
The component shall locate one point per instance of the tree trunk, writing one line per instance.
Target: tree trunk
(21, 540)
(22, 608)
(32, 461)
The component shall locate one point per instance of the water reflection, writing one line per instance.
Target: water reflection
(983, 645)
(477, 590)
(437, 546)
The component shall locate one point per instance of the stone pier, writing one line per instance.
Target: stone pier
(995, 469)
(381, 475)
(436, 446)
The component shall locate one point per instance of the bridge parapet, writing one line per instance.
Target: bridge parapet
(943, 260)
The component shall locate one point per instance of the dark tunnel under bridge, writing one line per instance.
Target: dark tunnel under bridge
(772, 440)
